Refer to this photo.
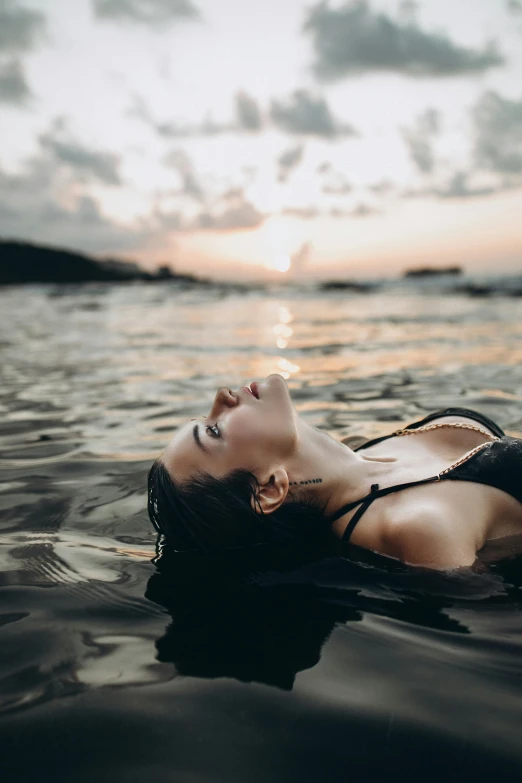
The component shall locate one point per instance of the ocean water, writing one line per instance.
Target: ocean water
(347, 668)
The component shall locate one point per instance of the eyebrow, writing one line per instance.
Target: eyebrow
(195, 432)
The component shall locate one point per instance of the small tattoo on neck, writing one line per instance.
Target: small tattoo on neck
(308, 481)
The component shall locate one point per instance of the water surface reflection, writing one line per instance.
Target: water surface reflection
(299, 669)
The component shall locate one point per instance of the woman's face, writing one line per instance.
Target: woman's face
(252, 428)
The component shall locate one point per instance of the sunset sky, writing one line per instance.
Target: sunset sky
(236, 137)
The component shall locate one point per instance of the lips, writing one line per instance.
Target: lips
(252, 389)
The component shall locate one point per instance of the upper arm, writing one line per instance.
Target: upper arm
(426, 539)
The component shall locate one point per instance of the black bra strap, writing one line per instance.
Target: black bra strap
(358, 514)
(368, 499)
(480, 418)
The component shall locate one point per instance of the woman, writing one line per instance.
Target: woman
(253, 472)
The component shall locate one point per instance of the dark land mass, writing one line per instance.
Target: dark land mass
(432, 271)
(23, 262)
(509, 287)
(347, 285)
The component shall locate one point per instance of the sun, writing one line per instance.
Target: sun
(280, 263)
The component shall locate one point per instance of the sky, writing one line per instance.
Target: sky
(257, 139)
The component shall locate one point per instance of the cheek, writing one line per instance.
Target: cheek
(255, 432)
(248, 431)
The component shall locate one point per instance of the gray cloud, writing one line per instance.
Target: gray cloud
(334, 183)
(248, 113)
(459, 187)
(308, 115)
(514, 7)
(339, 189)
(287, 162)
(207, 128)
(354, 38)
(301, 114)
(181, 162)
(230, 212)
(419, 140)
(307, 213)
(20, 28)
(86, 163)
(149, 12)
(237, 214)
(14, 89)
(323, 167)
(175, 130)
(498, 134)
(382, 188)
(408, 10)
(30, 211)
(359, 211)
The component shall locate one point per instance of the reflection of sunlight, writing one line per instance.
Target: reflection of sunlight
(285, 316)
(286, 368)
(282, 331)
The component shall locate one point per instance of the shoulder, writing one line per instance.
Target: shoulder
(425, 537)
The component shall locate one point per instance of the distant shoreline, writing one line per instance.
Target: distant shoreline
(25, 262)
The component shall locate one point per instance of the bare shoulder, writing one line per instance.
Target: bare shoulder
(423, 536)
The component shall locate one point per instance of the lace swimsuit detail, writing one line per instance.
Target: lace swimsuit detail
(497, 462)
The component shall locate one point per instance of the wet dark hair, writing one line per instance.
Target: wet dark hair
(208, 514)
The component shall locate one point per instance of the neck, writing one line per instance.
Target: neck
(327, 471)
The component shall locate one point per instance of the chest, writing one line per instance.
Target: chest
(480, 510)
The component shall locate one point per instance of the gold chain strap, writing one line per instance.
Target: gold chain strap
(455, 425)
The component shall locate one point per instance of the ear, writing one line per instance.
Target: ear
(272, 491)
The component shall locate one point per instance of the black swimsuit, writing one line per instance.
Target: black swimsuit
(498, 464)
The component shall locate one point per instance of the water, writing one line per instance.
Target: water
(342, 669)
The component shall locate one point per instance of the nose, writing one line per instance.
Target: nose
(224, 399)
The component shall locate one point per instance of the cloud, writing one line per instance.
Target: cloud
(323, 167)
(419, 140)
(307, 213)
(237, 215)
(173, 130)
(498, 134)
(459, 187)
(307, 115)
(30, 210)
(229, 212)
(339, 189)
(248, 113)
(47, 201)
(85, 163)
(300, 114)
(354, 38)
(140, 110)
(300, 259)
(14, 89)
(514, 7)
(20, 28)
(154, 13)
(359, 211)
(287, 162)
(334, 183)
(181, 162)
